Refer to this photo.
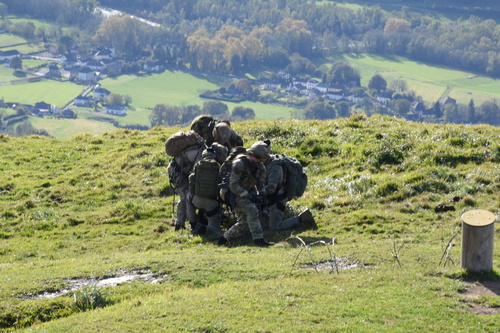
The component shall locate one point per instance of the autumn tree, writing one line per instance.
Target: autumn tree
(396, 25)
(122, 32)
(244, 85)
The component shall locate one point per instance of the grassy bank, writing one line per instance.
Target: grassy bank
(96, 207)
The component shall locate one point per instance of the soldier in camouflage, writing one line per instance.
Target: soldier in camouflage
(247, 180)
(186, 161)
(277, 199)
(203, 187)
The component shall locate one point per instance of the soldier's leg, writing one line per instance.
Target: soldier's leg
(240, 227)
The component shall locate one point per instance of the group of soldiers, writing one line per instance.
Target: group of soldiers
(249, 182)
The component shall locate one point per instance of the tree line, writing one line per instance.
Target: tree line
(230, 36)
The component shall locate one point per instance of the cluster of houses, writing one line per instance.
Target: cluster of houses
(86, 69)
(99, 95)
(313, 88)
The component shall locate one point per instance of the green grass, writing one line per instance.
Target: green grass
(427, 81)
(52, 92)
(88, 207)
(179, 89)
(172, 88)
(7, 39)
(67, 128)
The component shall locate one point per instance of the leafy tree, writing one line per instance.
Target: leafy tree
(189, 112)
(398, 85)
(437, 110)
(377, 83)
(471, 114)
(402, 106)
(16, 63)
(67, 41)
(3, 10)
(115, 99)
(127, 99)
(242, 113)
(342, 109)
(342, 73)
(244, 85)
(216, 109)
(490, 113)
(165, 115)
(319, 110)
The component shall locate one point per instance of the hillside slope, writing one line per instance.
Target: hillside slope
(95, 207)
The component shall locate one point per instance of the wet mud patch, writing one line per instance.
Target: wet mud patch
(116, 279)
(476, 290)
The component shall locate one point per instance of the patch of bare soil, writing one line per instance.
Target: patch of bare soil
(334, 265)
(484, 288)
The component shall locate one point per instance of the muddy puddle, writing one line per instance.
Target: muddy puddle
(119, 278)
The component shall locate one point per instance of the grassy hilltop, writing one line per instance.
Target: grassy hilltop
(95, 207)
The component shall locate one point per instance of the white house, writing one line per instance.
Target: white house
(101, 92)
(83, 101)
(7, 55)
(116, 110)
(270, 85)
(86, 74)
(311, 84)
(336, 96)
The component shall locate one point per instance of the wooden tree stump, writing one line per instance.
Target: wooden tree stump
(478, 231)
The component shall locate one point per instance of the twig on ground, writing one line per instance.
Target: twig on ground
(447, 250)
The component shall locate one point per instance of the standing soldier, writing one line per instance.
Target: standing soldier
(246, 181)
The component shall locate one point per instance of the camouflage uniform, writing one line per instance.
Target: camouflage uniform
(223, 134)
(247, 178)
(186, 160)
(210, 205)
(277, 197)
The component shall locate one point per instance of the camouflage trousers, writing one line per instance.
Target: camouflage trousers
(210, 206)
(248, 219)
(184, 210)
(275, 221)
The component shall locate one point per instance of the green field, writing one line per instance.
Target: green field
(427, 81)
(67, 128)
(80, 211)
(52, 92)
(180, 89)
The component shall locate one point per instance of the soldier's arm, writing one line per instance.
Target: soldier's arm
(237, 173)
(261, 179)
(274, 178)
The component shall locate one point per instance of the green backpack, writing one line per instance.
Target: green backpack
(295, 177)
(207, 179)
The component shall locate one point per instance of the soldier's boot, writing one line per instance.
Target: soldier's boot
(261, 242)
(306, 218)
(223, 242)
